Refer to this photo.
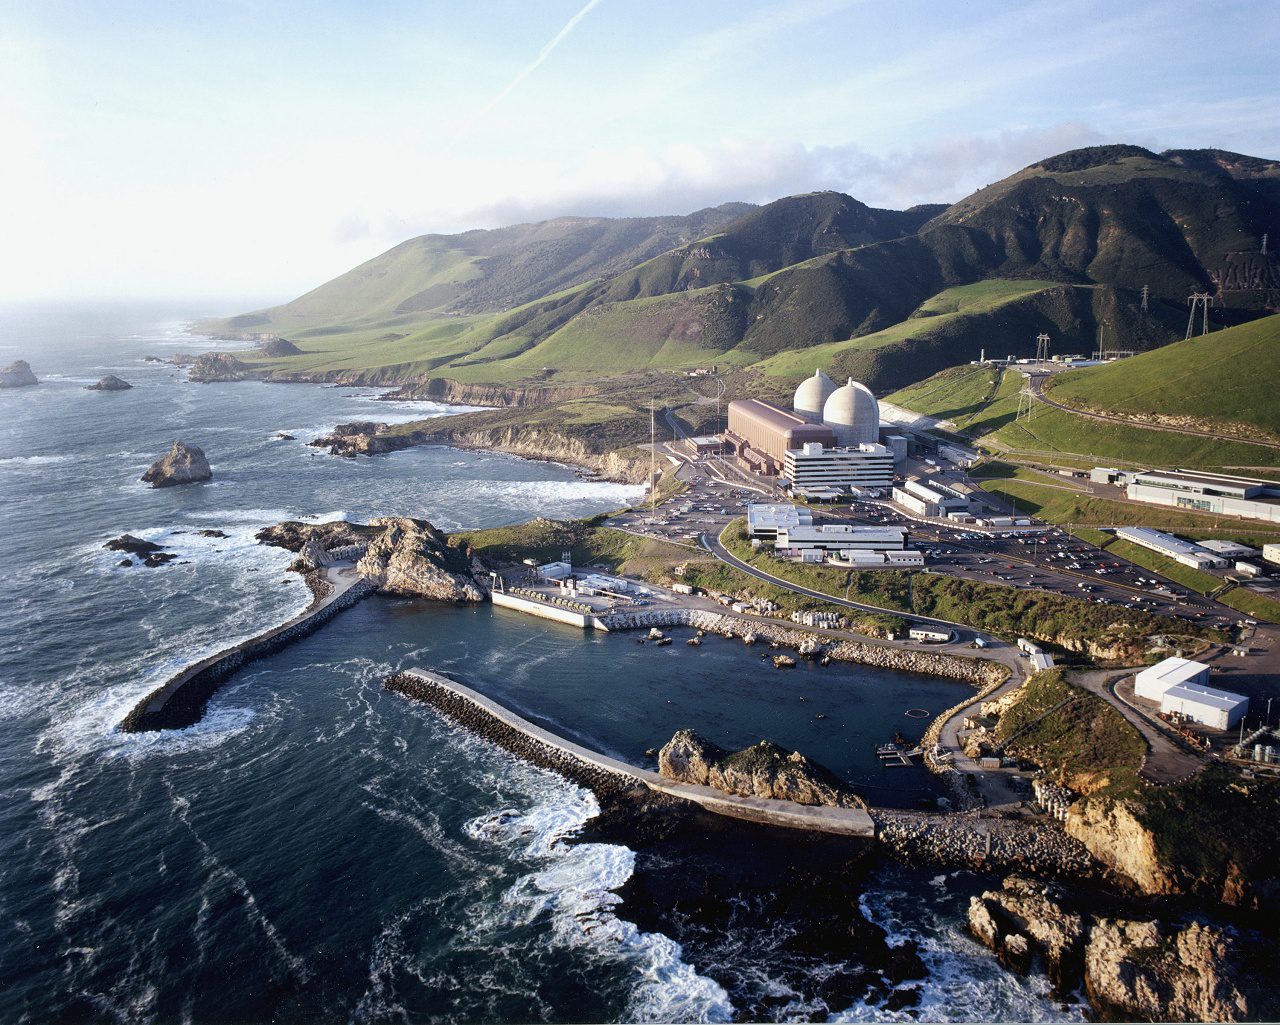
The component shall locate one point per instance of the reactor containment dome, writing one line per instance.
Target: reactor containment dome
(853, 413)
(812, 396)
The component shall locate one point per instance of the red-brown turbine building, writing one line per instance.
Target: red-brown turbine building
(761, 433)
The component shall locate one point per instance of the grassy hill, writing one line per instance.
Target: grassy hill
(1223, 381)
(1064, 246)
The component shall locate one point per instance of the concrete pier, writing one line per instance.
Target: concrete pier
(505, 727)
(181, 701)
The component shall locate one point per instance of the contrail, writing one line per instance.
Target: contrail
(543, 54)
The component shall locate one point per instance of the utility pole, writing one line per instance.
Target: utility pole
(1202, 299)
(653, 465)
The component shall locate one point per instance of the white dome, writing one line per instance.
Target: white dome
(853, 413)
(812, 396)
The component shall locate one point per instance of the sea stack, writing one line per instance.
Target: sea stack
(183, 464)
(110, 383)
(17, 375)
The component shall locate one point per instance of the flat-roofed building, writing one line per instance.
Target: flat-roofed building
(1172, 547)
(1228, 549)
(839, 537)
(1219, 709)
(857, 559)
(704, 445)
(1152, 682)
(1219, 493)
(814, 465)
(930, 499)
(1271, 553)
(762, 433)
(765, 519)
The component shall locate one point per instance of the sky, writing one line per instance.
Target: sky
(257, 149)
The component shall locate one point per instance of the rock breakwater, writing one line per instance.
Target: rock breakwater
(181, 701)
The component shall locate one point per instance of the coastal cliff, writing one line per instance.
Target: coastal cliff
(372, 438)
(1133, 966)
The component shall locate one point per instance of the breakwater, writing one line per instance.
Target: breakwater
(606, 775)
(181, 701)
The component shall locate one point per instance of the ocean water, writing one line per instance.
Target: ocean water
(317, 849)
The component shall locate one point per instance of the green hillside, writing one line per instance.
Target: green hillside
(1223, 381)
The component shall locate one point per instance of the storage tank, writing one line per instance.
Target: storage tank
(853, 413)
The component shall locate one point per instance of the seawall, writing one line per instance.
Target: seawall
(489, 719)
(181, 701)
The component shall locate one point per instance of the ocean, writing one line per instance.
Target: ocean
(316, 848)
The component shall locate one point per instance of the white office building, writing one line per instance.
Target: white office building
(839, 537)
(765, 519)
(1207, 492)
(931, 500)
(815, 466)
(858, 559)
(1228, 549)
(1271, 553)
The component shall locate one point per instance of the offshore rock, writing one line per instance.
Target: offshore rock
(110, 383)
(765, 770)
(411, 557)
(1028, 918)
(149, 552)
(17, 375)
(184, 464)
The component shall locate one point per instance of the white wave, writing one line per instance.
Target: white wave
(576, 890)
(35, 460)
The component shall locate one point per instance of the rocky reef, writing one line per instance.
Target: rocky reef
(17, 375)
(150, 553)
(764, 770)
(110, 383)
(182, 464)
(1133, 966)
(400, 555)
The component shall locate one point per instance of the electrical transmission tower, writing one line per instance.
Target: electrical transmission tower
(1202, 299)
(1264, 243)
(1026, 399)
(1146, 294)
(1042, 348)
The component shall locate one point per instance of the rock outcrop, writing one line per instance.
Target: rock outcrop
(220, 366)
(412, 558)
(17, 375)
(402, 556)
(275, 346)
(1116, 837)
(183, 464)
(366, 438)
(110, 383)
(149, 552)
(1132, 968)
(765, 770)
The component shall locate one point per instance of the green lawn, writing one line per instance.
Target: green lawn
(1252, 604)
(1187, 576)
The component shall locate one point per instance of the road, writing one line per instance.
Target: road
(1167, 762)
(1037, 389)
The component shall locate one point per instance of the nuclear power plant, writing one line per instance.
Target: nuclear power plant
(829, 443)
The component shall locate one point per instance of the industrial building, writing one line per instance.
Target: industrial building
(930, 500)
(814, 466)
(762, 434)
(1217, 493)
(1271, 553)
(856, 559)
(764, 519)
(828, 443)
(704, 445)
(1172, 547)
(1181, 688)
